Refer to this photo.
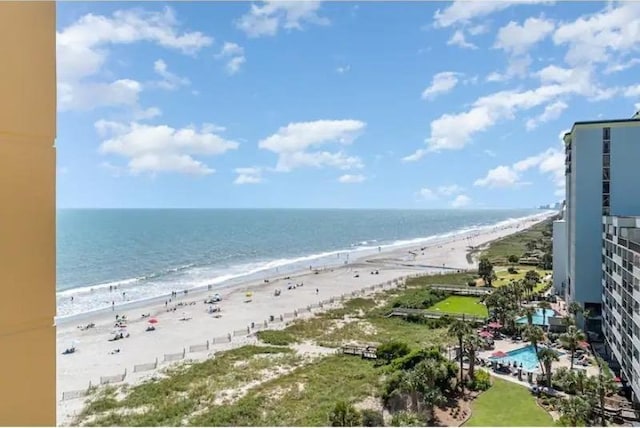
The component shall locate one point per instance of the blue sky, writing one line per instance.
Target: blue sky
(333, 104)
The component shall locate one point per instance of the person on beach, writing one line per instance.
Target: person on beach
(71, 299)
(317, 291)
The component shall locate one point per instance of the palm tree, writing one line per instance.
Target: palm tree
(581, 381)
(535, 335)
(428, 373)
(547, 356)
(472, 344)
(459, 329)
(544, 305)
(571, 340)
(344, 415)
(410, 384)
(574, 308)
(529, 312)
(604, 385)
(575, 411)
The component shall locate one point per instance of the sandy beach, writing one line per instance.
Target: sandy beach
(94, 357)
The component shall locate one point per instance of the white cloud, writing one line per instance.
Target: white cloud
(450, 190)
(549, 162)
(595, 38)
(551, 112)
(343, 69)
(463, 11)
(149, 113)
(82, 52)
(461, 201)
(441, 83)
(89, 96)
(455, 131)
(517, 39)
(293, 142)
(271, 15)
(234, 55)
(249, 175)
(458, 39)
(500, 176)
(415, 156)
(518, 66)
(632, 91)
(621, 66)
(351, 178)
(426, 193)
(170, 81)
(490, 153)
(161, 148)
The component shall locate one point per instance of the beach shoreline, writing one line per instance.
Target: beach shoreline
(95, 359)
(290, 268)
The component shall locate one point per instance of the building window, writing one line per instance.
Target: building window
(605, 173)
(605, 187)
(606, 147)
(606, 160)
(606, 133)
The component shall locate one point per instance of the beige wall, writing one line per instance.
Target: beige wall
(27, 213)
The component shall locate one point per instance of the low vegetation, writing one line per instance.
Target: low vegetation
(507, 404)
(461, 305)
(273, 384)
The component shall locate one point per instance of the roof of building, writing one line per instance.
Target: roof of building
(634, 118)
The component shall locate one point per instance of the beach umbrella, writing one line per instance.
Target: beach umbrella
(583, 344)
(486, 334)
(153, 321)
(248, 294)
(499, 354)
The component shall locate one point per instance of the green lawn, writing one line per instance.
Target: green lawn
(461, 305)
(507, 404)
(504, 277)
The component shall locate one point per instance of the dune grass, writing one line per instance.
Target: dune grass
(461, 305)
(304, 397)
(167, 400)
(507, 404)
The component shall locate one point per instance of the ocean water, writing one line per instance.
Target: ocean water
(150, 252)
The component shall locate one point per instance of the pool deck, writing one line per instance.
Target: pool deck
(507, 345)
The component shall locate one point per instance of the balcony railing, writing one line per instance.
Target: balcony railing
(634, 246)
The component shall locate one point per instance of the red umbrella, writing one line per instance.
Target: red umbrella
(583, 344)
(153, 321)
(494, 325)
(499, 354)
(485, 334)
(617, 379)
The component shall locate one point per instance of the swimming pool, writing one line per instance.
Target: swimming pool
(540, 316)
(525, 356)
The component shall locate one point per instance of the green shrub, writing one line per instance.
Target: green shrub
(276, 337)
(372, 418)
(471, 283)
(407, 419)
(512, 270)
(481, 381)
(344, 415)
(419, 298)
(389, 351)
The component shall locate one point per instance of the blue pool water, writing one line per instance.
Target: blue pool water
(525, 356)
(540, 318)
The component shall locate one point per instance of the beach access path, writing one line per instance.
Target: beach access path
(94, 359)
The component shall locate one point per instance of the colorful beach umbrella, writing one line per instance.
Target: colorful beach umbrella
(583, 344)
(499, 354)
(248, 294)
(153, 321)
(486, 334)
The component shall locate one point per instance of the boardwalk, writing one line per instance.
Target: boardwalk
(464, 290)
(405, 312)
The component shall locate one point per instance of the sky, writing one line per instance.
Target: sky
(312, 104)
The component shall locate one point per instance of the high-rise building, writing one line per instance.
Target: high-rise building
(621, 295)
(602, 174)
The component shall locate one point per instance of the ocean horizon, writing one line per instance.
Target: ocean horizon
(147, 253)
